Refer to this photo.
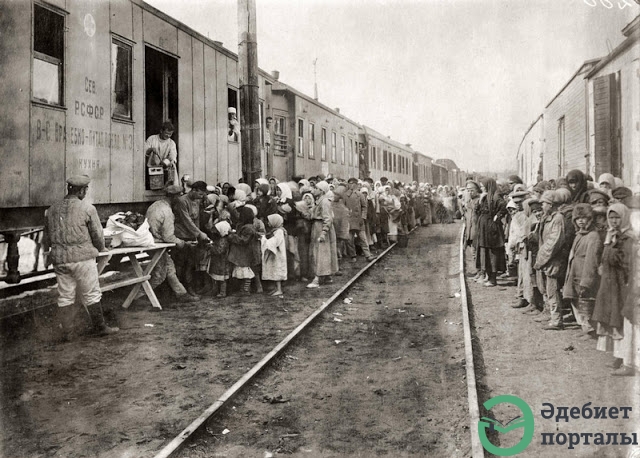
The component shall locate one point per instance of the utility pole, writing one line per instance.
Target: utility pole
(315, 79)
(249, 96)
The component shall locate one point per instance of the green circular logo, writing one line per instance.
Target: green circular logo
(524, 421)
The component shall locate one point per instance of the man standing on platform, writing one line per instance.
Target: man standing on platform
(72, 239)
(162, 226)
(357, 205)
(187, 227)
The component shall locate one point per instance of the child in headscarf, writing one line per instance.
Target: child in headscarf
(614, 273)
(340, 223)
(274, 253)
(264, 203)
(577, 183)
(241, 249)
(261, 230)
(219, 266)
(629, 348)
(582, 281)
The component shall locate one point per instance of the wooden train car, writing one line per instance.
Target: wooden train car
(387, 157)
(85, 83)
(309, 138)
(422, 168)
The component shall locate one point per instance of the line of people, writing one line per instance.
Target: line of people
(280, 231)
(574, 246)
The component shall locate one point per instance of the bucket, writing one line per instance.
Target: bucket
(156, 178)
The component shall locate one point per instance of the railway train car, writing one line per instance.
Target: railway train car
(422, 168)
(308, 137)
(84, 84)
(387, 157)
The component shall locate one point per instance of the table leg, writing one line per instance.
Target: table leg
(145, 284)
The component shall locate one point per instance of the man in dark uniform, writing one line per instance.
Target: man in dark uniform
(72, 239)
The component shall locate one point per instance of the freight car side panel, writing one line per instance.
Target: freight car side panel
(185, 106)
(221, 107)
(15, 92)
(47, 143)
(200, 167)
(122, 159)
(88, 95)
(121, 18)
(211, 115)
(138, 113)
(234, 152)
(160, 34)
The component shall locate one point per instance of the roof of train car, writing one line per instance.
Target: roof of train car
(447, 164)
(185, 28)
(388, 139)
(280, 86)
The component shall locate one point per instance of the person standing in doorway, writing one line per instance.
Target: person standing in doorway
(160, 150)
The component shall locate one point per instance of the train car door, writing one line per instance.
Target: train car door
(161, 96)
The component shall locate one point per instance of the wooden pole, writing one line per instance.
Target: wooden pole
(249, 95)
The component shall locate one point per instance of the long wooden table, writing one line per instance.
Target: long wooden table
(142, 276)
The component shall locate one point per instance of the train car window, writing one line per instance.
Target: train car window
(121, 94)
(351, 151)
(323, 144)
(384, 161)
(343, 147)
(334, 142)
(395, 164)
(48, 56)
(300, 137)
(280, 135)
(312, 140)
(233, 134)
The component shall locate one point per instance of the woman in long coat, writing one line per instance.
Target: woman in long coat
(614, 279)
(490, 233)
(323, 250)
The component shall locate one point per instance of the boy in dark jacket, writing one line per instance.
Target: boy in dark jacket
(582, 281)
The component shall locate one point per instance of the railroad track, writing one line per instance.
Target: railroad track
(173, 448)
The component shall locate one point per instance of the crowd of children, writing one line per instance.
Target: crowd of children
(574, 245)
(301, 231)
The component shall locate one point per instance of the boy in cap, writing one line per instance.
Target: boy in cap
(551, 259)
(73, 238)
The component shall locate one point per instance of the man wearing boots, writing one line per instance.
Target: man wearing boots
(161, 224)
(186, 209)
(73, 236)
(357, 205)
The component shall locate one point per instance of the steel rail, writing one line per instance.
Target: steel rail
(176, 444)
(477, 450)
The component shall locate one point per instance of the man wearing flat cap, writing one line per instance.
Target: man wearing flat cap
(162, 226)
(186, 209)
(73, 238)
(356, 202)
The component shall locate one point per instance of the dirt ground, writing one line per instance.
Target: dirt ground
(382, 375)
(129, 394)
(516, 356)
